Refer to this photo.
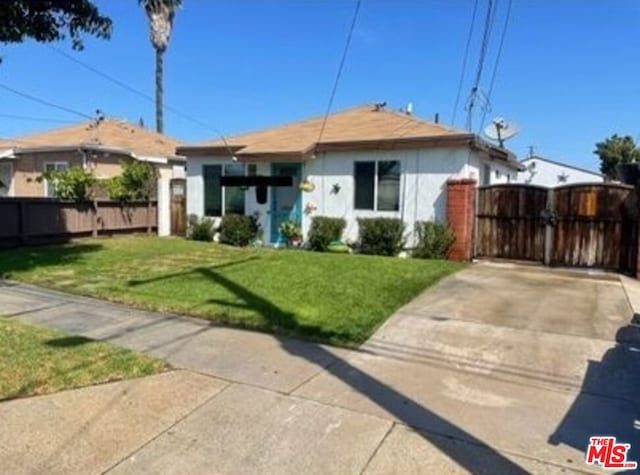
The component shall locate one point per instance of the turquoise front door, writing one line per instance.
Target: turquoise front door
(286, 201)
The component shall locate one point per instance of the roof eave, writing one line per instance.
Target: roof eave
(497, 153)
(396, 143)
(203, 150)
(96, 148)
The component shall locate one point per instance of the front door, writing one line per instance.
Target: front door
(286, 201)
(178, 206)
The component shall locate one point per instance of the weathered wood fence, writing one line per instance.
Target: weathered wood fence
(581, 225)
(43, 220)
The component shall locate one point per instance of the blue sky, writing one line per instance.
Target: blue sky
(568, 73)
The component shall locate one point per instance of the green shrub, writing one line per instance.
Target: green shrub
(434, 240)
(238, 230)
(324, 231)
(291, 231)
(136, 182)
(71, 184)
(381, 236)
(200, 229)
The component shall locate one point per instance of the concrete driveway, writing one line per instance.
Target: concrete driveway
(498, 369)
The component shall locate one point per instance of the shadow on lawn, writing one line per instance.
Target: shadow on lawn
(28, 258)
(274, 318)
(69, 341)
(401, 407)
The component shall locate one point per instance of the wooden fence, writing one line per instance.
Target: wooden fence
(43, 220)
(580, 225)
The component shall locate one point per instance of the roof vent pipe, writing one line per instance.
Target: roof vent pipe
(436, 119)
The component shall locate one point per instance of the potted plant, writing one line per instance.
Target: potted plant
(292, 232)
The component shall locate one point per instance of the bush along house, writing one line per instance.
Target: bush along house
(362, 162)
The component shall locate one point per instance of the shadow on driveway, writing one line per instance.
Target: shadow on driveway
(615, 379)
(403, 408)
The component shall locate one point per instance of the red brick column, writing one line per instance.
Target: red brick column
(461, 210)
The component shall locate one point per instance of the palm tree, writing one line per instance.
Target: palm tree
(160, 13)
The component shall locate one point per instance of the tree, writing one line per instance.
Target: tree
(161, 14)
(615, 151)
(137, 182)
(51, 20)
(75, 183)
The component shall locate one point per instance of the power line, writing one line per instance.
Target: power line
(475, 90)
(485, 42)
(464, 62)
(35, 119)
(498, 55)
(340, 68)
(44, 102)
(145, 96)
(100, 73)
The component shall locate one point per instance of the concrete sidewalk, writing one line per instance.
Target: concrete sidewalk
(431, 392)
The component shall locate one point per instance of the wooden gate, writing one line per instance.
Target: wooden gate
(510, 223)
(595, 226)
(582, 225)
(178, 206)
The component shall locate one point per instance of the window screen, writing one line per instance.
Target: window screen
(212, 190)
(364, 175)
(389, 186)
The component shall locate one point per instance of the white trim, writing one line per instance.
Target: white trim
(55, 164)
(11, 184)
(400, 210)
(9, 153)
(222, 188)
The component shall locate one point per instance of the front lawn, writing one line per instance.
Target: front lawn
(327, 297)
(35, 360)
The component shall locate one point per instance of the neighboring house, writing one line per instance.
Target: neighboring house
(544, 172)
(99, 146)
(368, 162)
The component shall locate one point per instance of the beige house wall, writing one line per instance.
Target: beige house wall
(107, 166)
(29, 167)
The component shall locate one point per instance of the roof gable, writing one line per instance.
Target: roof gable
(358, 125)
(108, 133)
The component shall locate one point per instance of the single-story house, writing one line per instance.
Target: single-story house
(99, 146)
(545, 172)
(363, 162)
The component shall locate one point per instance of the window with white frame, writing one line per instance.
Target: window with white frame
(219, 200)
(377, 185)
(49, 188)
(6, 177)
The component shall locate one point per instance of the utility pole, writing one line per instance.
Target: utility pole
(532, 149)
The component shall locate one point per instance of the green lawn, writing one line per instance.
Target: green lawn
(34, 360)
(327, 297)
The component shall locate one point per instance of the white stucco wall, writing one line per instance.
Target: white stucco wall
(166, 174)
(545, 173)
(424, 174)
(493, 172)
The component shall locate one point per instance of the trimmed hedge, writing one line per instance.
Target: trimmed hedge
(238, 230)
(200, 229)
(324, 231)
(381, 236)
(434, 240)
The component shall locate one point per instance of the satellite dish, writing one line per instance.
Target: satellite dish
(500, 129)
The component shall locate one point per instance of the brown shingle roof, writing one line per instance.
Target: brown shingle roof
(110, 133)
(358, 125)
